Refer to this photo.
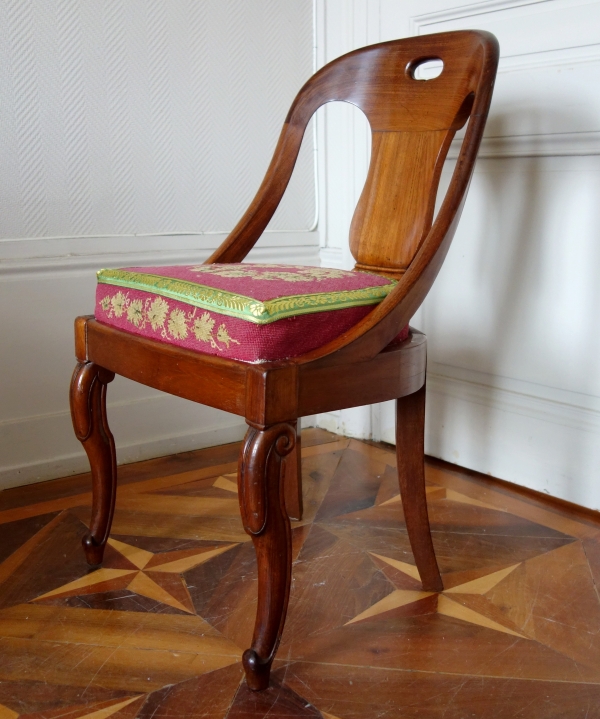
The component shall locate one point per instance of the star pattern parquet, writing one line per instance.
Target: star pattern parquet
(159, 630)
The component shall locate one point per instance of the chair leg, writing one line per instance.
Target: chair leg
(88, 411)
(293, 479)
(262, 504)
(410, 450)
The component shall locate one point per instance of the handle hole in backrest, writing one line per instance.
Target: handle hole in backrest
(426, 68)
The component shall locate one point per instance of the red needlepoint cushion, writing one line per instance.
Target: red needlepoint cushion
(242, 311)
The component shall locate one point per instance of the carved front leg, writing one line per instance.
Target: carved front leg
(88, 411)
(265, 519)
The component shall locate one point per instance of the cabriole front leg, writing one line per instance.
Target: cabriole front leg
(88, 411)
(262, 504)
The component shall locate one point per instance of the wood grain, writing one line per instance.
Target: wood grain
(393, 233)
(410, 450)
(514, 633)
(88, 411)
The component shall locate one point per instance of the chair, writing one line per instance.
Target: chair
(395, 243)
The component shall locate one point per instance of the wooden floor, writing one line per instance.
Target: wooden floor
(158, 632)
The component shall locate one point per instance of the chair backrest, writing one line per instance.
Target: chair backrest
(412, 122)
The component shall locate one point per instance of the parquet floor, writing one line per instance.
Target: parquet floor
(158, 632)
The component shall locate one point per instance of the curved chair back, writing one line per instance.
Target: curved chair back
(413, 123)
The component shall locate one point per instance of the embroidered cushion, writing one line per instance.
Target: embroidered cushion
(247, 312)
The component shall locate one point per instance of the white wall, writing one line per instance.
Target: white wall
(513, 319)
(136, 131)
(131, 132)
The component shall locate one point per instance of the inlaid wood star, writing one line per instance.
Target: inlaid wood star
(156, 576)
(6, 713)
(116, 655)
(435, 492)
(457, 602)
(97, 710)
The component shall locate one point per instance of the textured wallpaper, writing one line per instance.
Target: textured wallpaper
(147, 116)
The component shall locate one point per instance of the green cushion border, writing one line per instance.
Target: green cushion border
(240, 306)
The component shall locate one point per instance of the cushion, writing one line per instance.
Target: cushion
(247, 312)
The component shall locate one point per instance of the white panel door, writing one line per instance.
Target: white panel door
(512, 321)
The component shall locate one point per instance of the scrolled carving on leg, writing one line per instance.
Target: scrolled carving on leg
(88, 412)
(262, 504)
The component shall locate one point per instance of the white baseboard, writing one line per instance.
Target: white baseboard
(540, 437)
(331, 257)
(329, 421)
(354, 422)
(535, 436)
(35, 449)
(36, 436)
(536, 401)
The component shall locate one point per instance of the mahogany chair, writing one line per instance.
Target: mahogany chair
(393, 236)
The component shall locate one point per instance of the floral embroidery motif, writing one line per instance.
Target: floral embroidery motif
(203, 329)
(296, 273)
(135, 312)
(157, 313)
(118, 303)
(223, 336)
(179, 325)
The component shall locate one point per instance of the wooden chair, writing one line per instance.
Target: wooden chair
(392, 233)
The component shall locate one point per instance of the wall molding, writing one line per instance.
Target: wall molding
(535, 144)
(332, 257)
(42, 446)
(498, 394)
(81, 246)
(352, 422)
(539, 437)
(64, 455)
(19, 258)
(540, 402)
(567, 144)
(534, 435)
(76, 463)
(581, 55)
(462, 11)
(136, 425)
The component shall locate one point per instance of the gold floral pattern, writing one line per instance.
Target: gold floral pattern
(178, 325)
(203, 329)
(118, 304)
(223, 336)
(295, 273)
(135, 312)
(157, 313)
